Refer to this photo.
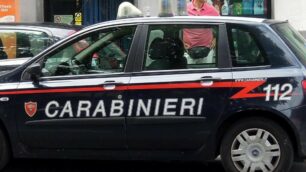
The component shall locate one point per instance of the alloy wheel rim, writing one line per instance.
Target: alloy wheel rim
(255, 150)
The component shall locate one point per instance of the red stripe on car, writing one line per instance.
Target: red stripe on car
(247, 87)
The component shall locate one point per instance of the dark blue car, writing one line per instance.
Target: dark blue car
(134, 89)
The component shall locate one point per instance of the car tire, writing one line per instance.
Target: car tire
(4, 150)
(256, 145)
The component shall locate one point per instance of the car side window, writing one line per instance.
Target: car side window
(95, 53)
(171, 47)
(22, 43)
(245, 50)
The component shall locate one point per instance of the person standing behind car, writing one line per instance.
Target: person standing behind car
(199, 42)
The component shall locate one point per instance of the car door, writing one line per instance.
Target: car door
(78, 102)
(175, 99)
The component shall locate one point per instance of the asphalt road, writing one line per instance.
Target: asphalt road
(98, 166)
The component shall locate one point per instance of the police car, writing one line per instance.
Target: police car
(131, 89)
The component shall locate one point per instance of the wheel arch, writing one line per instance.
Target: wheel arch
(278, 118)
(7, 136)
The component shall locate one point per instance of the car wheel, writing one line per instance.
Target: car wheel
(4, 150)
(256, 145)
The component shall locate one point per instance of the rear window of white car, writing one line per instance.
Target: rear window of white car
(22, 43)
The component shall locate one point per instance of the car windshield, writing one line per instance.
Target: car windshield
(294, 39)
(60, 33)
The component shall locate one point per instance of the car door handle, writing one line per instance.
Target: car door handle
(210, 78)
(112, 83)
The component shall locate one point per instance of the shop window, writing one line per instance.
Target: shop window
(246, 8)
(61, 11)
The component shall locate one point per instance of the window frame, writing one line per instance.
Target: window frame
(223, 54)
(68, 41)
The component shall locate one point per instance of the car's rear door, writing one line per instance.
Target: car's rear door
(174, 99)
(79, 102)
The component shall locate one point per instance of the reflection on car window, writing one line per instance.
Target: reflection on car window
(245, 50)
(21, 43)
(294, 39)
(172, 47)
(98, 52)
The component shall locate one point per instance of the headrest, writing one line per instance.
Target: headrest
(175, 48)
(156, 50)
(166, 48)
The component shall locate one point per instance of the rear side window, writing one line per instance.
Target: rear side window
(171, 47)
(245, 49)
(21, 43)
(294, 39)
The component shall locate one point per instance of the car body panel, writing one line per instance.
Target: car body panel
(152, 123)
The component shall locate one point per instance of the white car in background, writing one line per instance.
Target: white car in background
(21, 41)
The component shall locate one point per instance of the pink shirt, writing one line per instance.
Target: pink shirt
(199, 37)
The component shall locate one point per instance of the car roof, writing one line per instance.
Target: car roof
(41, 25)
(54, 29)
(209, 19)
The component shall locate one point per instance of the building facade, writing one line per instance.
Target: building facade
(293, 11)
(86, 12)
(243, 8)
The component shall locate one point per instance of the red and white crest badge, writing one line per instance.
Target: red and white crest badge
(30, 108)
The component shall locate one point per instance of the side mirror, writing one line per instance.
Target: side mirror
(34, 72)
